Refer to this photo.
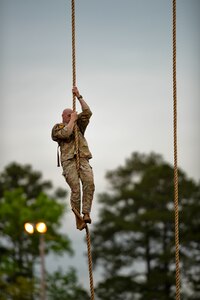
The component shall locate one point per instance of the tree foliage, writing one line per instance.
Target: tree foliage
(26, 197)
(133, 241)
(65, 286)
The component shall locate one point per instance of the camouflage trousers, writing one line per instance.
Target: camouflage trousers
(87, 179)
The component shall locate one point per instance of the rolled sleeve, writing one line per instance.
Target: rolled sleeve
(83, 119)
(85, 115)
(60, 132)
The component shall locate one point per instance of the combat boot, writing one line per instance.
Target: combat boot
(80, 223)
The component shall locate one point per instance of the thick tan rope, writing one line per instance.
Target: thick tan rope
(76, 141)
(74, 79)
(90, 262)
(176, 209)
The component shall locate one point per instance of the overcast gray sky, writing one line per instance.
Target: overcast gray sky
(124, 71)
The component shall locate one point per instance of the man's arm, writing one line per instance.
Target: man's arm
(70, 125)
(63, 131)
(84, 116)
(83, 104)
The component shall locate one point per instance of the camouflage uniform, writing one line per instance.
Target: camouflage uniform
(68, 160)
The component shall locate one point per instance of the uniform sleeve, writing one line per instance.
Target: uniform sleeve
(59, 132)
(83, 119)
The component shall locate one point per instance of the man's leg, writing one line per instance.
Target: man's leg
(71, 176)
(87, 179)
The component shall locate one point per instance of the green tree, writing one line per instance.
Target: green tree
(65, 286)
(26, 197)
(133, 241)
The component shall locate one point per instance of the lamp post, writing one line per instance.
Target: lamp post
(41, 228)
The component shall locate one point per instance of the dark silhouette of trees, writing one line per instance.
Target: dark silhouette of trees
(26, 197)
(133, 241)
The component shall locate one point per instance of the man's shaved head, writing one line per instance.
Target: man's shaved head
(66, 115)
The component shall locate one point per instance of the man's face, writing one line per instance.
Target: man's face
(66, 115)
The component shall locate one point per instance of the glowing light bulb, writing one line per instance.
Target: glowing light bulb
(29, 228)
(41, 227)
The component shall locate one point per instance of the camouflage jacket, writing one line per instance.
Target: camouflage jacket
(67, 142)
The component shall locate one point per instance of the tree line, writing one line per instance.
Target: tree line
(26, 197)
(132, 240)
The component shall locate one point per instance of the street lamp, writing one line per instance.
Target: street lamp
(29, 228)
(41, 228)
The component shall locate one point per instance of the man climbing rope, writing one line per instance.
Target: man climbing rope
(64, 134)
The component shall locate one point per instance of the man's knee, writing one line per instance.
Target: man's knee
(88, 185)
(92, 187)
(75, 189)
